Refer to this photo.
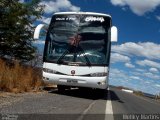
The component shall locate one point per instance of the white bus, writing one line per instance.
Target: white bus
(77, 49)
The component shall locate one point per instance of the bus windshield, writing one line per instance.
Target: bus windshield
(78, 40)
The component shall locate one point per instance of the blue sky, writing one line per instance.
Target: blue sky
(135, 58)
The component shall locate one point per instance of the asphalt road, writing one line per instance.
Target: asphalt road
(78, 104)
(127, 103)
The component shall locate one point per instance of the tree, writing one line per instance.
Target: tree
(16, 28)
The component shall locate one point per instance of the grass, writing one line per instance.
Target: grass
(158, 98)
(19, 78)
(139, 93)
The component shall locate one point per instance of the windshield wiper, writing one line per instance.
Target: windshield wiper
(86, 58)
(59, 61)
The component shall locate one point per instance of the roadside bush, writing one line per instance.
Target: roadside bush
(19, 78)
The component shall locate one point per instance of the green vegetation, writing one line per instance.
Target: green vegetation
(16, 48)
(157, 97)
(16, 29)
(139, 93)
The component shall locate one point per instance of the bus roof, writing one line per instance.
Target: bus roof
(85, 13)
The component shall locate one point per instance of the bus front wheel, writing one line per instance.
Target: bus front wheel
(61, 88)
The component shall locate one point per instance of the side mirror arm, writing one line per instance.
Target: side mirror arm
(38, 30)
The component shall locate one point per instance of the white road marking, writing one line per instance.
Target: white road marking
(86, 110)
(109, 110)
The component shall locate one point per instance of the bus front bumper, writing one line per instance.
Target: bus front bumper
(76, 81)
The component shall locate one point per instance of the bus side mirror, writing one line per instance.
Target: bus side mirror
(114, 34)
(38, 31)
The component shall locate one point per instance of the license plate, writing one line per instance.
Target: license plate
(72, 81)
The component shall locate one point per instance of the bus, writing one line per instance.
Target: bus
(77, 49)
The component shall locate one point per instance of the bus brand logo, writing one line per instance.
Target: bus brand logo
(101, 19)
(73, 72)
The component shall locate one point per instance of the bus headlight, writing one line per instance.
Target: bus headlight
(102, 82)
(49, 70)
(98, 74)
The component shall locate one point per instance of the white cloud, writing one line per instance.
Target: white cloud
(147, 82)
(138, 81)
(146, 75)
(148, 63)
(139, 7)
(151, 75)
(116, 74)
(45, 20)
(158, 18)
(129, 65)
(115, 57)
(21, 1)
(135, 77)
(140, 70)
(154, 70)
(58, 5)
(116, 71)
(157, 85)
(147, 49)
(39, 42)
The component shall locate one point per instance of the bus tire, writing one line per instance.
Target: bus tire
(61, 88)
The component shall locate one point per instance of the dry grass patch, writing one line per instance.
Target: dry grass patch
(19, 78)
